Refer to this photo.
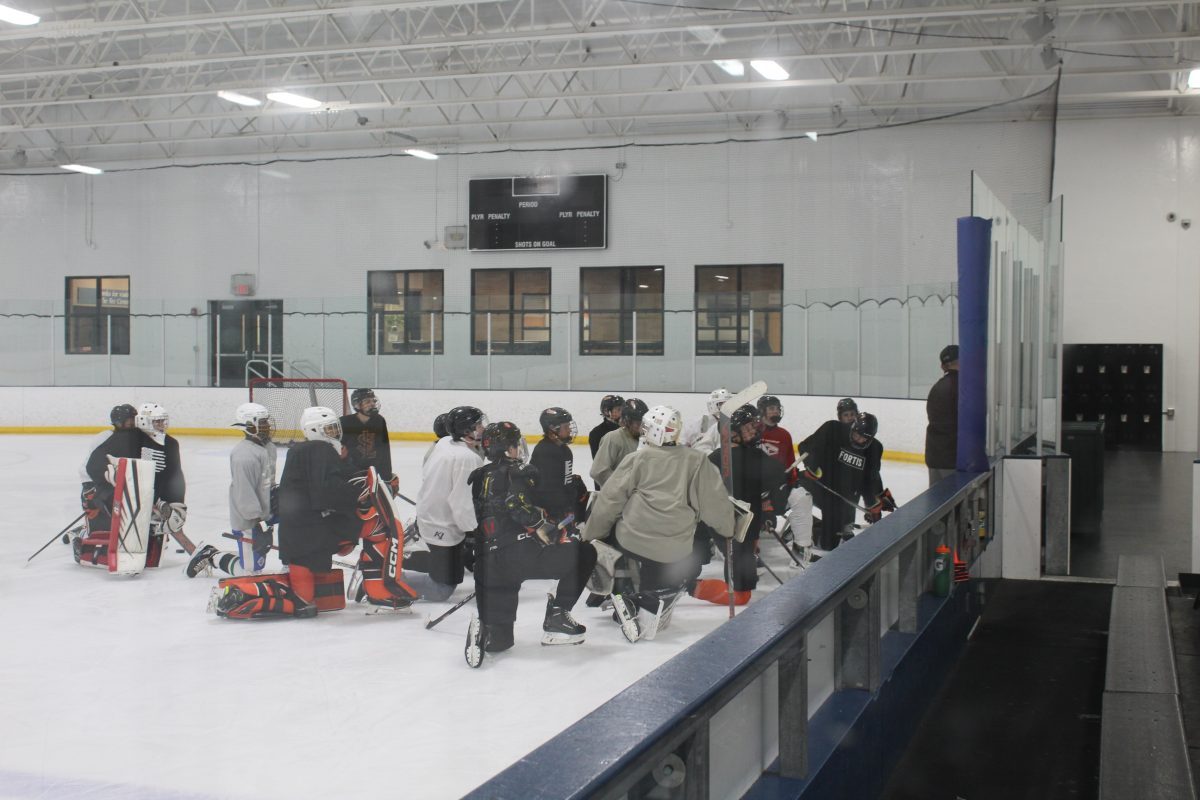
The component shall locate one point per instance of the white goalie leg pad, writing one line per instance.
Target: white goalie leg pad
(133, 503)
(652, 623)
(626, 612)
(601, 579)
(800, 517)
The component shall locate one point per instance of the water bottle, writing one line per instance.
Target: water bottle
(942, 569)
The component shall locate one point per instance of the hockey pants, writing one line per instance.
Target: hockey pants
(499, 574)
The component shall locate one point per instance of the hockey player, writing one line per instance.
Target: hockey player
(365, 436)
(847, 410)
(517, 543)
(557, 490)
(610, 412)
(775, 440)
(845, 460)
(445, 510)
(619, 443)
(439, 432)
(760, 481)
(705, 434)
(251, 486)
(97, 516)
(654, 499)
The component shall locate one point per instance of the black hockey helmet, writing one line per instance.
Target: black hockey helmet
(553, 418)
(462, 420)
(746, 415)
(768, 400)
(498, 438)
(865, 425)
(359, 395)
(439, 426)
(633, 411)
(609, 402)
(847, 404)
(122, 414)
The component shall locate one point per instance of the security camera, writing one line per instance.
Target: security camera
(1170, 216)
(362, 120)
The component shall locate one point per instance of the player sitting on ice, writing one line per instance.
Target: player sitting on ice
(365, 437)
(518, 543)
(705, 434)
(619, 443)
(251, 489)
(610, 413)
(844, 460)
(96, 517)
(445, 510)
(654, 499)
(558, 490)
(148, 442)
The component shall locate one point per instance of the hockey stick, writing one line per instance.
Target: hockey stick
(429, 623)
(55, 536)
(188, 546)
(336, 563)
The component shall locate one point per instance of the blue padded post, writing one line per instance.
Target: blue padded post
(974, 260)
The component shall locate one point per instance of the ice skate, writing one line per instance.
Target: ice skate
(625, 614)
(473, 652)
(652, 623)
(559, 626)
(201, 561)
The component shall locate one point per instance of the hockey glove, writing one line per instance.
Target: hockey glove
(888, 502)
(546, 531)
(171, 516)
(874, 513)
(812, 474)
(89, 500)
(394, 485)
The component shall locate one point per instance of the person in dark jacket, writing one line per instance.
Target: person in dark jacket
(610, 412)
(365, 436)
(941, 436)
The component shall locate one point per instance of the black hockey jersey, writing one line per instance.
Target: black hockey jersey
(848, 470)
(316, 502)
(555, 489)
(368, 444)
(598, 433)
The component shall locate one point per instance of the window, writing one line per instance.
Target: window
(608, 297)
(408, 307)
(725, 296)
(94, 306)
(519, 303)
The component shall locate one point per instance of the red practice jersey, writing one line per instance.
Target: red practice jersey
(777, 443)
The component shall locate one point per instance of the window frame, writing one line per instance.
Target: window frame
(523, 309)
(72, 316)
(408, 346)
(627, 302)
(739, 310)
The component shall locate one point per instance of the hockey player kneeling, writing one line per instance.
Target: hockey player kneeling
(317, 505)
(655, 498)
(517, 543)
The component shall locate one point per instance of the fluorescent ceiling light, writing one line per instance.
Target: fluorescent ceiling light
(643, 286)
(770, 70)
(297, 100)
(811, 134)
(735, 68)
(706, 34)
(240, 99)
(425, 154)
(82, 168)
(1194, 79)
(18, 17)
(721, 277)
(658, 269)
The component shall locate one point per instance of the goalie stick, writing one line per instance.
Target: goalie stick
(744, 397)
(55, 536)
(336, 563)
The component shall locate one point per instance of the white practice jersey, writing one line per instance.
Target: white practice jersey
(445, 509)
(703, 434)
(252, 474)
(97, 440)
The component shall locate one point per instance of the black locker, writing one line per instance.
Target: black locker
(1119, 385)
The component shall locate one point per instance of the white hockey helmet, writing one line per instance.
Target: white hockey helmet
(255, 419)
(661, 426)
(715, 398)
(153, 420)
(320, 424)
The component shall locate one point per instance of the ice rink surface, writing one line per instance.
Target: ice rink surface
(126, 688)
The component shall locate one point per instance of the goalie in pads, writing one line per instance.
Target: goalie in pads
(655, 498)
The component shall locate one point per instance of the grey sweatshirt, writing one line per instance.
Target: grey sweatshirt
(252, 474)
(614, 446)
(656, 497)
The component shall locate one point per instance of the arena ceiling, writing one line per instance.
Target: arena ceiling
(137, 80)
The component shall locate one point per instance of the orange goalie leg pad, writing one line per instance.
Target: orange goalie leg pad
(380, 565)
(714, 591)
(254, 596)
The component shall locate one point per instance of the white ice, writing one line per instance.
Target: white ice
(125, 688)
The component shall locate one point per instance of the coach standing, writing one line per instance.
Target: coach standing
(941, 436)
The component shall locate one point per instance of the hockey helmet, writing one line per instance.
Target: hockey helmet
(122, 414)
(609, 402)
(439, 426)
(633, 411)
(255, 419)
(847, 404)
(715, 398)
(360, 396)
(865, 426)
(499, 437)
(463, 421)
(153, 420)
(320, 424)
(661, 426)
(739, 419)
(554, 418)
(765, 402)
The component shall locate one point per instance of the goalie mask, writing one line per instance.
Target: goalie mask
(255, 420)
(661, 426)
(745, 426)
(153, 420)
(715, 398)
(320, 424)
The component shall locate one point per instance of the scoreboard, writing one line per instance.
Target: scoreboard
(550, 212)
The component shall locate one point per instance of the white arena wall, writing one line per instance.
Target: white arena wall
(62, 409)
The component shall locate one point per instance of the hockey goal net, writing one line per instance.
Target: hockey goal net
(286, 399)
